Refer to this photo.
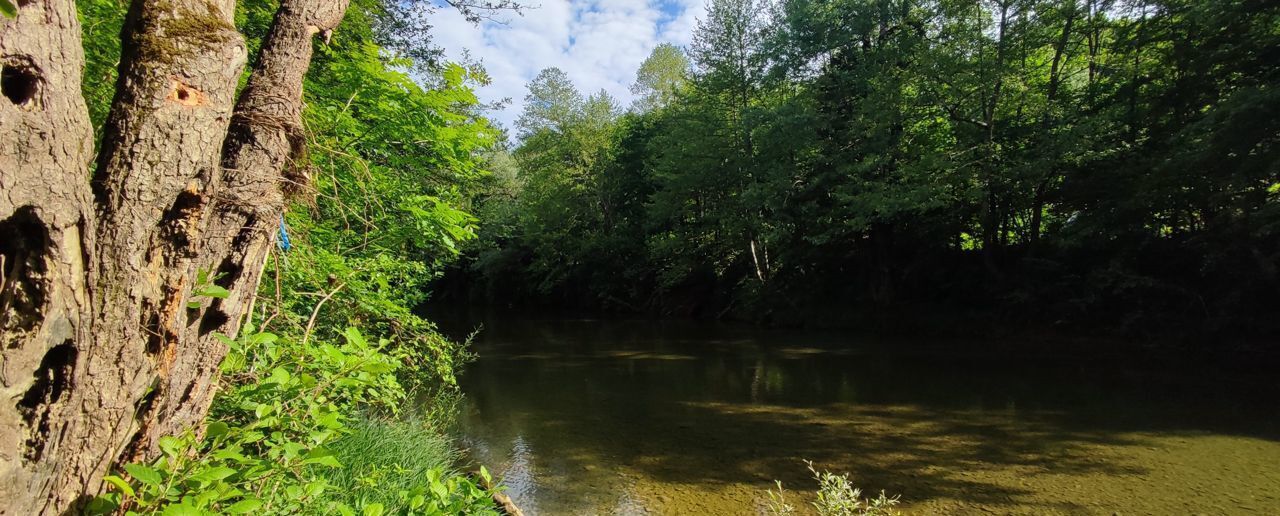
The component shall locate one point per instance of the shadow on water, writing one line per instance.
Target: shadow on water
(634, 417)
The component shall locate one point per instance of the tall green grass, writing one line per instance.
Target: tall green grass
(383, 458)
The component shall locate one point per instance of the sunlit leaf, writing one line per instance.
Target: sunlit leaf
(144, 474)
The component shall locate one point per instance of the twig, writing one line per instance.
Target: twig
(253, 300)
(279, 301)
(314, 313)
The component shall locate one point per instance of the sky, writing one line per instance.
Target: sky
(599, 43)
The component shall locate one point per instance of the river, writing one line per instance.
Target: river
(670, 417)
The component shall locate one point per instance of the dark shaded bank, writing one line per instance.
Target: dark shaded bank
(1246, 358)
(1032, 308)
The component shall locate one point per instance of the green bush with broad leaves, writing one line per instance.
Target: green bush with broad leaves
(266, 448)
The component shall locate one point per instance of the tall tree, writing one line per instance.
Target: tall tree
(552, 103)
(728, 48)
(660, 78)
(109, 324)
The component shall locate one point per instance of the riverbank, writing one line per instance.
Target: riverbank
(940, 336)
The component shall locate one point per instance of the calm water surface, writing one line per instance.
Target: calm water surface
(644, 417)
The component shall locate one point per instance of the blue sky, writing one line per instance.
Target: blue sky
(599, 43)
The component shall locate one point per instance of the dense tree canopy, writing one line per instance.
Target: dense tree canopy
(1090, 164)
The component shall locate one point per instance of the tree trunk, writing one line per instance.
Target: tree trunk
(157, 175)
(1046, 124)
(265, 140)
(991, 222)
(101, 354)
(46, 143)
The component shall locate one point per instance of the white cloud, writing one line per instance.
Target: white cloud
(599, 43)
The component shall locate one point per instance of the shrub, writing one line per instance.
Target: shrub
(288, 408)
(836, 496)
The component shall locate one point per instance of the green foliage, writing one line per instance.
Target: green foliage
(1083, 164)
(392, 163)
(660, 78)
(836, 496)
(304, 396)
(267, 447)
(102, 22)
(406, 468)
(205, 287)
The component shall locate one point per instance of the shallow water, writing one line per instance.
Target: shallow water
(644, 417)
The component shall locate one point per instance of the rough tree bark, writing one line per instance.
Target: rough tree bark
(46, 144)
(100, 354)
(259, 155)
(157, 174)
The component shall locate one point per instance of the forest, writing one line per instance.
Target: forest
(1085, 167)
(226, 226)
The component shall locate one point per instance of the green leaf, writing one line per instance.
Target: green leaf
(143, 474)
(205, 498)
(439, 490)
(292, 449)
(331, 462)
(373, 509)
(354, 338)
(101, 505)
(331, 420)
(333, 353)
(8, 9)
(316, 488)
(211, 291)
(213, 474)
(323, 457)
(231, 343)
(378, 367)
(120, 485)
(170, 445)
(263, 338)
(181, 509)
(278, 375)
(217, 429)
(234, 362)
(229, 454)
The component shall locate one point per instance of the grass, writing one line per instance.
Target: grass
(383, 458)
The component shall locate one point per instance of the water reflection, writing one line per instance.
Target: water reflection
(590, 417)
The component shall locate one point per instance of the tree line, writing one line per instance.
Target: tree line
(1090, 165)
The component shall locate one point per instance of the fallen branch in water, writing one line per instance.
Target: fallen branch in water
(508, 507)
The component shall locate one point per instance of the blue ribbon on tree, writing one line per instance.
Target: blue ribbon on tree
(284, 242)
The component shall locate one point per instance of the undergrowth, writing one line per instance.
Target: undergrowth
(287, 436)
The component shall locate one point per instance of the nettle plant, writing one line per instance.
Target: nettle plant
(265, 448)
